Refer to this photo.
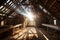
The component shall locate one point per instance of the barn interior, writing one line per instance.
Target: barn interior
(29, 19)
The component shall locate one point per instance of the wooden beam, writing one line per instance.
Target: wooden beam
(52, 26)
(45, 2)
(52, 4)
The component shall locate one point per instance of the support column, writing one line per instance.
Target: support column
(2, 23)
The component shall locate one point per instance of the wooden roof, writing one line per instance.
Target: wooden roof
(53, 6)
